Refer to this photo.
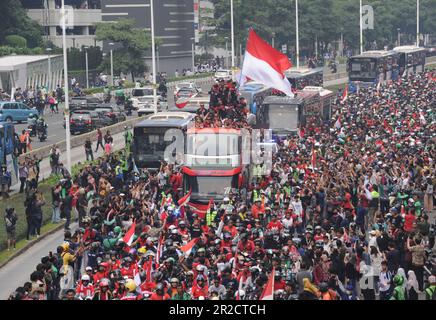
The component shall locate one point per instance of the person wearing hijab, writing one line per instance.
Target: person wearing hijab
(412, 287)
(402, 273)
(310, 291)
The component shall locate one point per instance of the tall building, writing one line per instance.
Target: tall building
(174, 25)
(81, 17)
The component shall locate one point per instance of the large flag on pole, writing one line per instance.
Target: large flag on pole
(265, 64)
(187, 248)
(128, 237)
(268, 292)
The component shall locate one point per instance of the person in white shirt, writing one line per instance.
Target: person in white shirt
(385, 282)
(287, 221)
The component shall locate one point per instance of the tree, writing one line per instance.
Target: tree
(324, 20)
(134, 42)
(14, 20)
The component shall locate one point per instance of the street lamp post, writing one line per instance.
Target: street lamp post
(417, 23)
(49, 69)
(233, 34)
(399, 36)
(112, 63)
(193, 55)
(361, 27)
(86, 66)
(297, 39)
(67, 106)
(272, 40)
(227, 56)
(153, 55)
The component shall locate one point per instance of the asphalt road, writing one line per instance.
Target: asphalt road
(56, 131)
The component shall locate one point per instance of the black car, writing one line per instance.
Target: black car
(81, 123)
(98, 118)
(115, 112)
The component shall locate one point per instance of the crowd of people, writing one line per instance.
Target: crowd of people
(346, 213)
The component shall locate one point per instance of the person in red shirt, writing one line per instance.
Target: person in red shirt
(409, 221)
(85, 289)
(200, 289)
(101, 273)
(257, 208)
(128, 269)
(279, 283)
(160, 294)
(230, 228)
(275, 225)
(246, 245)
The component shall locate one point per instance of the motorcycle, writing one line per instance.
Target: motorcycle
(31, 125)
(42, 132)
(333, 67)
(128, 107)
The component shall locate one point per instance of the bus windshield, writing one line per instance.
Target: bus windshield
(363, 68)
(283, 116)
(142, 92)
(213, 144)
(149, 142)
(204, 187)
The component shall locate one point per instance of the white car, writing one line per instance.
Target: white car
(141, 96)
(188, 85)
(147, 107)
(223, 75)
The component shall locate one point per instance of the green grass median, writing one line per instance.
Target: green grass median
(17, 201)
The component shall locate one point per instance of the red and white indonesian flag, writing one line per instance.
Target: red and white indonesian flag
(345, 94)
(184, 200)
(338, 123)
(187, 248)
(183, 102)
(265, 64)
(268, 292)
(128, 237)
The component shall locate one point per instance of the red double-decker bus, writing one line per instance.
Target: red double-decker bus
(213, 164)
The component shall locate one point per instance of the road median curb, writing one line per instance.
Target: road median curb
(31, 244)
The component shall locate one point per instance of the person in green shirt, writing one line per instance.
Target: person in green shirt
(181, 294)
(430, 292)
(418, 205)
(399, 292)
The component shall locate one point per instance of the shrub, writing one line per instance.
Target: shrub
(16, 41)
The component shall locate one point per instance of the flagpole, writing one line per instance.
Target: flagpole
(297, 38)
(361, 28)
(153, 56)
(233, 34)
(67, 108)
(417, 23)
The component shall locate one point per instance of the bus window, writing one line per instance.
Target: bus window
(363, 68)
